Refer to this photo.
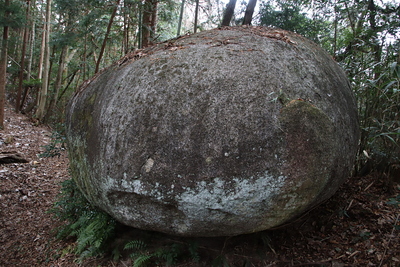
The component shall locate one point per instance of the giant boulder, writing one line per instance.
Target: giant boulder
(224, 132)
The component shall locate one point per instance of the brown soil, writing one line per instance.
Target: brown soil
(356, 227)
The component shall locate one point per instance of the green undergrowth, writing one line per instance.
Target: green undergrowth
(95, 234)
(57, 144)
(92, 228)
(169, 254)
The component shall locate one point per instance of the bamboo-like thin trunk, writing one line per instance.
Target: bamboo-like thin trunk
(196, 16)
(3, 70)
(146, 23)
(180, 18)
(103, 47)
(22, 68)
(58, 82)
(46, 66)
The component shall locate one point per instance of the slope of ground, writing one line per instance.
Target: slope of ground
(356, 227)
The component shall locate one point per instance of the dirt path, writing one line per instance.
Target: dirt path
(355, 228)
(27, 192)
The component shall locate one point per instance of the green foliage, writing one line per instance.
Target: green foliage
(220, 261)
(143, 256)
(56, 146)
(12, 15)
(394, 201)
(32, 83)
(290, 17)
(380, 119)
(167, 20)
(92, 228)
(95, 232)
(194, 251)
(161, 254)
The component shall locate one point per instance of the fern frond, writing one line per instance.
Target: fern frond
(142, 260)
(220, 261)
(135, 245)
(92, 228)
(169, 254)
(194, 253)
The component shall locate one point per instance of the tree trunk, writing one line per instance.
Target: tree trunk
(139, 36)
(84, 57)
(46, 66)
(248, 15)
(126, 16)
(3, 70)
(146, 23)
(22, 68)
(180, 18)
(31, 46)
(335, 25)
(153, 21)
(196, 16)
(41, 57)
(376, 47)
(58, 82)
(149, 21)
(228, 14)
(103, 46)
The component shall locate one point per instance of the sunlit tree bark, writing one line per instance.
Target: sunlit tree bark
(149, 22)
(40, 112)
(180, 18)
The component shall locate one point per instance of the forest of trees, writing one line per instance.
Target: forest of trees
(49, 47)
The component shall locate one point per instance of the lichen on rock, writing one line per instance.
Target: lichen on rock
(224, 132)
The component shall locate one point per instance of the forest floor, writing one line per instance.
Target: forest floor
(356, 227)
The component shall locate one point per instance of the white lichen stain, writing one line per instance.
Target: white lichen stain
(244, 197)
(239, 198)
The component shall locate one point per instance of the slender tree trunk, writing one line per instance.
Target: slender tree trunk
(146, 23)
(149, 20)
(196, 16)
(84, 57)
(3, 70)
(228, 14)
(335, 23)
(58, 82)
(103, 47)
(376, 47)
(41, 57)
(180, 18)
(46, 66)
(248, 15)
(22, 68)
(68, 84)
(139, 37)
(31, 46)
(153, 20)
(125, 43)
(30, 61)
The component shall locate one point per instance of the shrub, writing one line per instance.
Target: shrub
(92, 228)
